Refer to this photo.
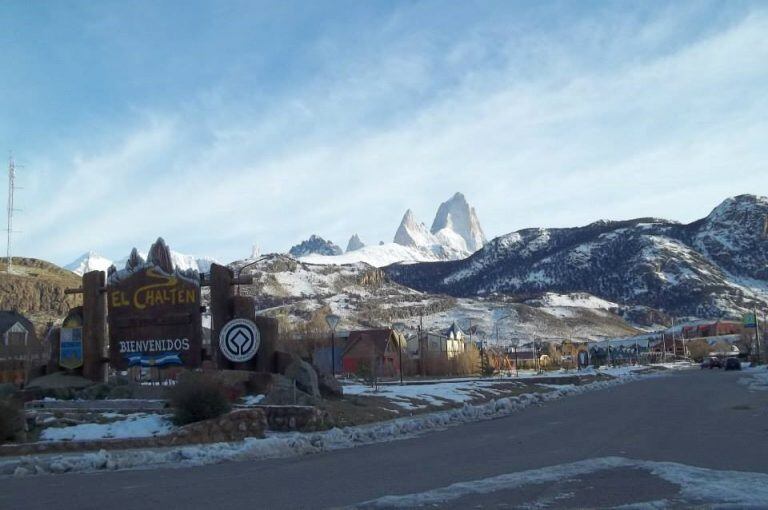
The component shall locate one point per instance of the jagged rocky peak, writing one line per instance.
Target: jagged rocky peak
(314, 245)
(457, 216)
(134, 260)
(160, 255)
(413, 233)
(354, 243)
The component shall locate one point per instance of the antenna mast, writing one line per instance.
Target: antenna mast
(9, 231)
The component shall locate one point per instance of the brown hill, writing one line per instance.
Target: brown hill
(36, 289)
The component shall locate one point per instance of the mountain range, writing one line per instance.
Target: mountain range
(455, 234)
(716, 266)
(92, 261)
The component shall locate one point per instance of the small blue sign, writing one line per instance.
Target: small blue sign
(71, 348)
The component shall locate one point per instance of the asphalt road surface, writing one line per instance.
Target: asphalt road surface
(600, 449)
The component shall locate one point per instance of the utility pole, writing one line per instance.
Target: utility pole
(10, 210)
(422, 347)
(637, 352)
(757, 334)
(674, 345)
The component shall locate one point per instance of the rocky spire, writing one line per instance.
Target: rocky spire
(354, 243)
(134, 260)
(412, 233)
(160, 255)
(457, 215)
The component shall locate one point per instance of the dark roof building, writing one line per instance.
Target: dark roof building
(13, 322)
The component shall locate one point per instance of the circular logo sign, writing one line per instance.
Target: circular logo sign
(239, 340)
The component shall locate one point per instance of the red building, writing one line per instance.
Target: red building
(372, 347)
(717, 328)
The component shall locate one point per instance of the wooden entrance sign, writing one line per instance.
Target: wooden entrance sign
(154, 312)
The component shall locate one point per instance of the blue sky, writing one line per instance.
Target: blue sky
(222, 124)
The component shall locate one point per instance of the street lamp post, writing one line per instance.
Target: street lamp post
(517, 363)
(333, 321)
(399, 327)
(503, 317)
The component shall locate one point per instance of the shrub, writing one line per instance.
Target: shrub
(11, 422)
(364, 371)
(197, 397)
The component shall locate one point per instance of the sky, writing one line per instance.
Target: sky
(219, 125)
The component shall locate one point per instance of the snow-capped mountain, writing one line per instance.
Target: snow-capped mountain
(454, 218)
(714, 266)
(315, 245)
(89, 261)
(455, 234)
(412, 233)
(92, 261)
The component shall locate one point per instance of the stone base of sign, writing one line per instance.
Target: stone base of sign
(242, 381)
(234, 426)
(296, 418)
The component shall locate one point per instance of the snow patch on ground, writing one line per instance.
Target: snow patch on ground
(757, 380)
(697, 485)
(434, 394)
(134, 425)
(252, 400)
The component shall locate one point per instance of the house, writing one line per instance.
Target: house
(447, 343)
(19, 347)
(380, 348)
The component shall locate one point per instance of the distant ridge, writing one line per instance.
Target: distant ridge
(712, 267)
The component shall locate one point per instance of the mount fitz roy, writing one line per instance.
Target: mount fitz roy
(714, 267)
(455, 234)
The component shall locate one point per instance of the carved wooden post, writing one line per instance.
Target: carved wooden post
(94, 325)
(221, 296)
(225, 306)
(268, 328)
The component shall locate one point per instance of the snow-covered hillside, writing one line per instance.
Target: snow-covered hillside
(302, 293)
(377, 256)
(714, 266)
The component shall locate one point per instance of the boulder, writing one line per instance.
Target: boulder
(284, 391)
(329, 386)
(305, 376)
(282, 360)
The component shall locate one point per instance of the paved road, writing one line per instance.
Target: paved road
(697, 418)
